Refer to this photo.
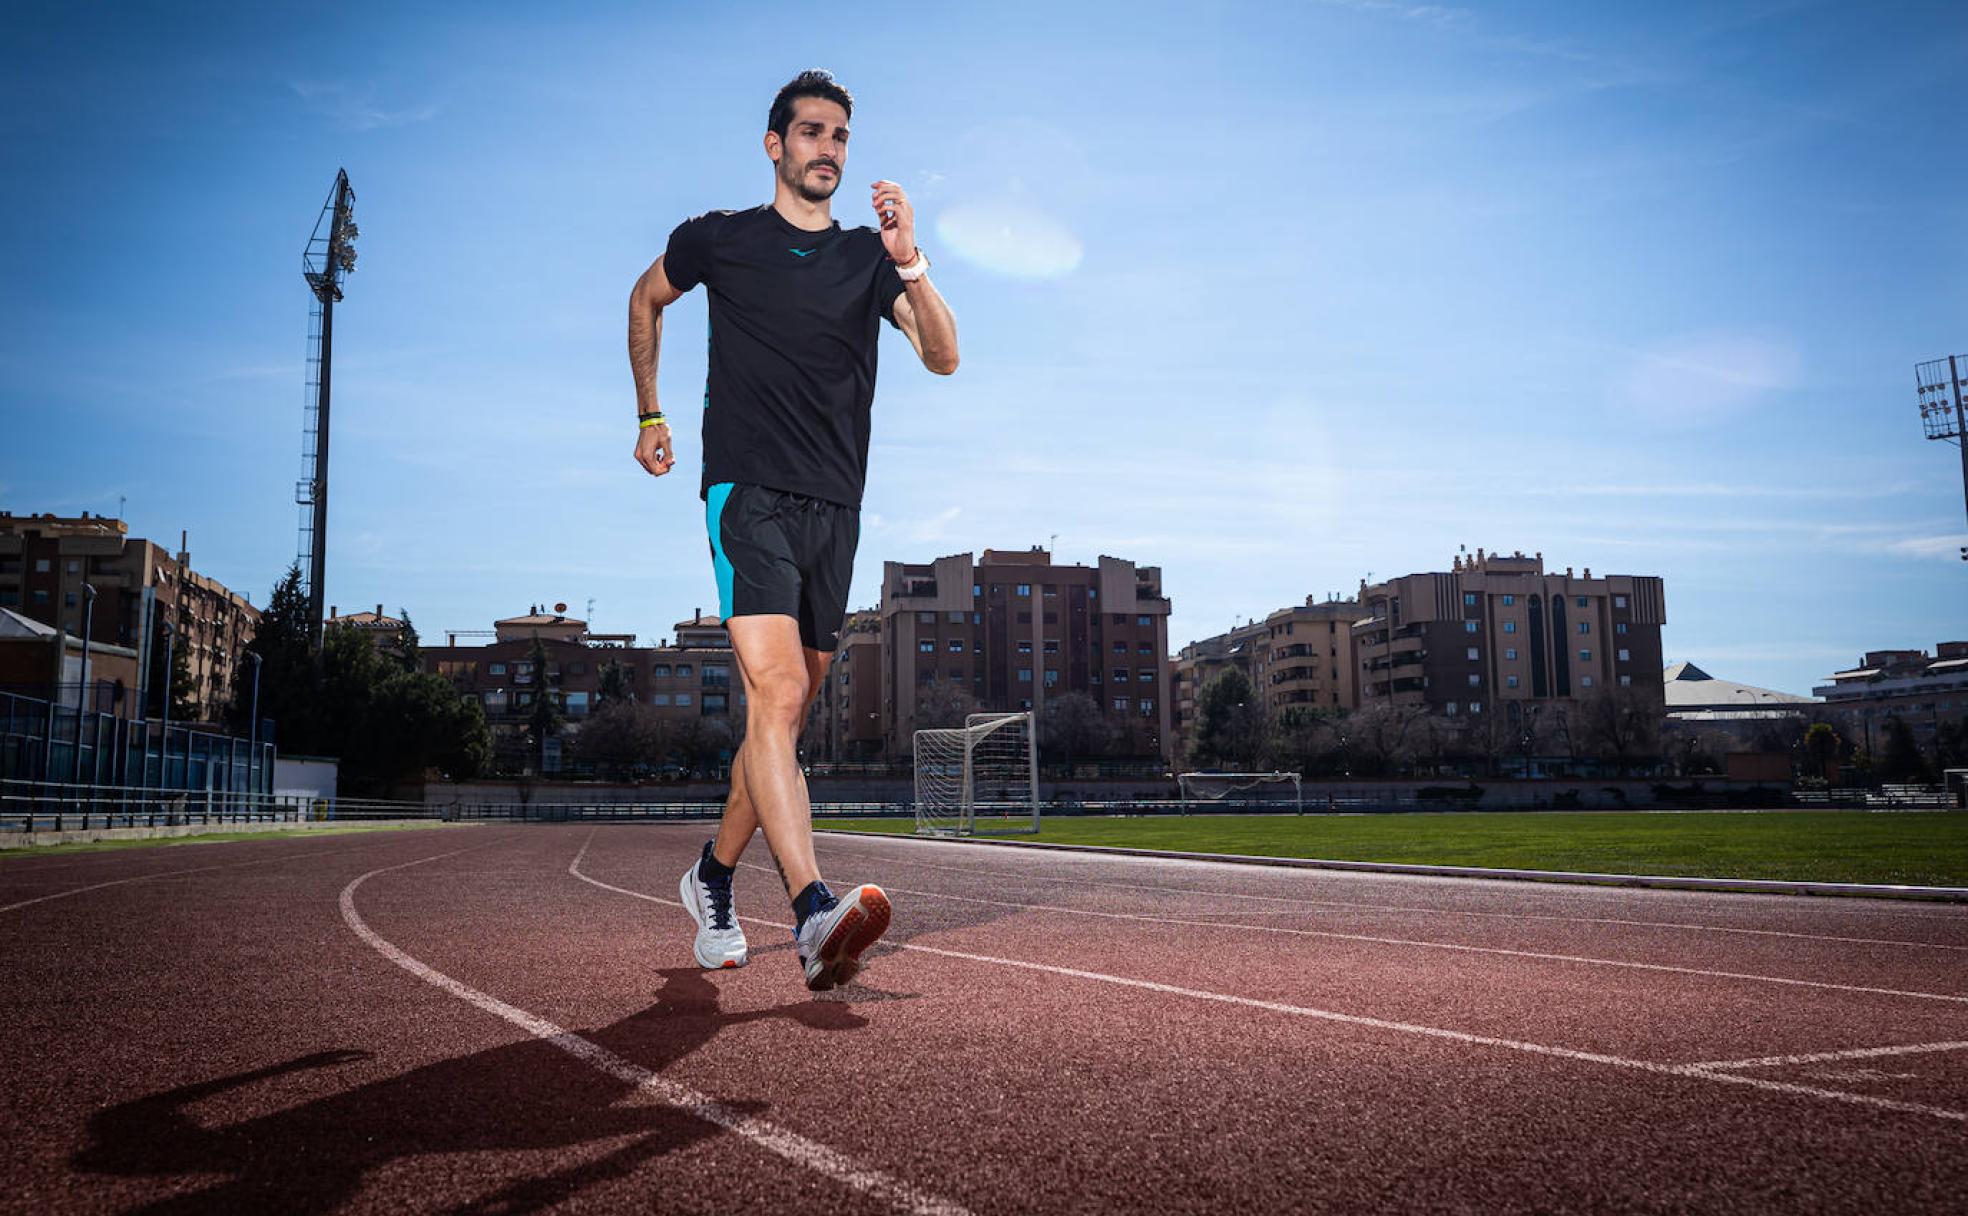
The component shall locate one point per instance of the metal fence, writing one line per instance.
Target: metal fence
(48, 743)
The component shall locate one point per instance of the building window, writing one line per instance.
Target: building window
(1025, 704)
(1120, 648)
(1024, 675)
(1510, 681)
(68, 601)
(1146, 675)
(661, 671)
(1475, 680)
(1469, 626)
(1619, 601)
(577, 704)
(714, 701)
(977, 618)
(1585, 681)
(1620, 627)
(40, 565)
(1025, 589)
(1122, 675)
(1510, 626)
(1585, 656)
(975, 591)
(1582, 602)
(1141, 621)
(1625, 655)
(1051, 590)
(956, 618)
(1585, 626)
(1025, 646)
(1052, 646)
(660, 698)
(1474, 654)
(1051, 677)
(926, 646)
(683, 698)
(1093, 677)
(956, 645)
(683, 673)
(1509, 601)
(1120, 703)
(1511, 654)
(925, 618)
(1449, 709)
(1626, 681)
(1147, 705)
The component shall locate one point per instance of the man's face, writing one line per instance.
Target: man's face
(814, 152)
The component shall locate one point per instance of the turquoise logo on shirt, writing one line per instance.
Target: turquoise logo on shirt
(804, 252)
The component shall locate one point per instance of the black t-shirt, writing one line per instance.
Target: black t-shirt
(795, 318)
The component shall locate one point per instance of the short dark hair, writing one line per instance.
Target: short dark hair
(814, 82)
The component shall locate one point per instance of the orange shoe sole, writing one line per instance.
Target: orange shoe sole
(861, 928)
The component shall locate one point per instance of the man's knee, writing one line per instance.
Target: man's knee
(776, 698)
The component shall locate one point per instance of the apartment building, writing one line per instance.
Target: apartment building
(1498, 633)
(1922, 690)
(1202, 661)
(1012, 629)
(384, 632)
(1307, 660)
(692, 677)
(845, 720)
(142, 590)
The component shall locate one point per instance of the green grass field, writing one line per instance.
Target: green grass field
(1916, 849)
(98, 846)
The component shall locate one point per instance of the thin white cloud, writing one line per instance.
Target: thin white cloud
(1009, 236)
(1703, 379)
(355, 105)
(1945, 548)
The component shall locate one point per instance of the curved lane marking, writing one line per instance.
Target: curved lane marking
(1351, 1019)
(1541, 955)
(1824, 1057)
(795, 1148)
(229, 865)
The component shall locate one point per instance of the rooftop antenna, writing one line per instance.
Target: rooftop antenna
(329, 256)
(1944, 409)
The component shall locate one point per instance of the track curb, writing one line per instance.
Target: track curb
(1760, 886)
(17, 841)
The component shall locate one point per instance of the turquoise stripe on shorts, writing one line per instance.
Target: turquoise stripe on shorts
(713, 519)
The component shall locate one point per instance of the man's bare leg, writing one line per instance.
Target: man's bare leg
(779, 681)
(740, 817)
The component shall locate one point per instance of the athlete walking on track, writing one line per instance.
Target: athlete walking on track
(796, 304)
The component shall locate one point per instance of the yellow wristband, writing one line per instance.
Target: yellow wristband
(652, 420)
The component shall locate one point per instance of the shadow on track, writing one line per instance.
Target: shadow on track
(524, 1096)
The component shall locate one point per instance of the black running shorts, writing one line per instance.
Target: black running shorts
(780, 552)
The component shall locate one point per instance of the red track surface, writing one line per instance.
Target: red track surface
(508, 1019)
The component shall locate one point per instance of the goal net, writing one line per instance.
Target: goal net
(1269, 789)
(978, 779)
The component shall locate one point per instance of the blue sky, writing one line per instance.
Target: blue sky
(1272, 296)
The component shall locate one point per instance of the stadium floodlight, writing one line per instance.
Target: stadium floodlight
(1944, 409)
(1215, 787)
(980, 779)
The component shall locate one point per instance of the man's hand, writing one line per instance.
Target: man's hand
(653, 450)
(898, 221)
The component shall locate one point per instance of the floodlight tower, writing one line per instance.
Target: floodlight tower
(330, 254)
(1944, 409)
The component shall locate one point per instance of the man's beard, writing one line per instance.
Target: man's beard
(798, 180)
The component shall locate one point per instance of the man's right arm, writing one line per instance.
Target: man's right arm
(652, 293)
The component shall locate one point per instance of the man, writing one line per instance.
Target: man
(796, 304)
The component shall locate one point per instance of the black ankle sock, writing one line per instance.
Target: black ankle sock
(710, 869)
(814, 897)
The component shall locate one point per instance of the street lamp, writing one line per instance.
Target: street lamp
(81, 699)
(253, 750)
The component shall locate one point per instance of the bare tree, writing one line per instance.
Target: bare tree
(942, 703)
(1622, 725)
(1073, 726)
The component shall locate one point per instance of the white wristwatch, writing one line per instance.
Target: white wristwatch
(916, 269)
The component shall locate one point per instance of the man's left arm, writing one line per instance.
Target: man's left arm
(920, 311)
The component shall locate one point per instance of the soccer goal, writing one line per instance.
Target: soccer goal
(1251, 787)
(980, 779)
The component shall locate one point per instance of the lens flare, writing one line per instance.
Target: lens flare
(1010, 237)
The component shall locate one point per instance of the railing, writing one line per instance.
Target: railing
(42, 806)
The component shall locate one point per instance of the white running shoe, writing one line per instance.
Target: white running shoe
(720, 942)
(831, 942)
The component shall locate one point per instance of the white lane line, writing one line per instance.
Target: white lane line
(1541, 955)
(1421, 911)
(1820, 1057)
(230, 865)
(1435, 1032)
(795, 1148)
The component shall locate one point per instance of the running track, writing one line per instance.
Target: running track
(506, 1019)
